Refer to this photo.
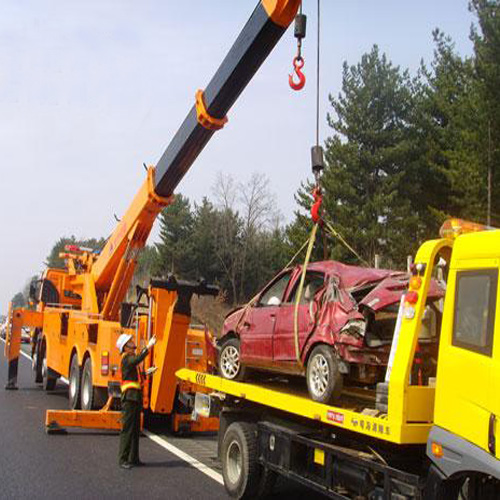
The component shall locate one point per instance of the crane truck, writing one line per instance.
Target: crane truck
(410, 437)
(81, 309)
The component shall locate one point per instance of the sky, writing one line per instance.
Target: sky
(92, 89)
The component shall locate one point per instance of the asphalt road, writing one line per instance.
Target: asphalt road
(83, 464)
(80, 464)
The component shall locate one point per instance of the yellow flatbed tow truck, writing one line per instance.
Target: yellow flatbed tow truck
(412, 436)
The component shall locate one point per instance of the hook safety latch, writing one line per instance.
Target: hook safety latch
(298, 64)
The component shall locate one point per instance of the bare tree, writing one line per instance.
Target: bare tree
(258, 208)
(245, 209)
(257, 202)
(225, 192)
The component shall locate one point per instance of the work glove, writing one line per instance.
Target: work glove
(151, 343)
(150, 371)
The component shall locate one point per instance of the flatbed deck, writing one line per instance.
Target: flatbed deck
(280, 397)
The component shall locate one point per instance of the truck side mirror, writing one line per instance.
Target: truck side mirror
(126, 312)
(33, 290)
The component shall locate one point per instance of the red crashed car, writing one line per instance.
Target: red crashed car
(346, 321)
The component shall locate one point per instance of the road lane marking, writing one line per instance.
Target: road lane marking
(205, 469)
(184, 456)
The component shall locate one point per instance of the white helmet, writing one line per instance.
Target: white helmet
(122, 340)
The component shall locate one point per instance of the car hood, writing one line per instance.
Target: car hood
(233, 317)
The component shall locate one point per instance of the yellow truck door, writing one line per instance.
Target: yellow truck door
(468, 379)
(496, 387)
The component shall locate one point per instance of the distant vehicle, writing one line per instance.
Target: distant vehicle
(25, 335)
(346, 321)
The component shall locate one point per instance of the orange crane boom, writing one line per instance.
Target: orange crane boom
(81, 310)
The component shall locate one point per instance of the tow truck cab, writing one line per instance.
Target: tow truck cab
(467, 402)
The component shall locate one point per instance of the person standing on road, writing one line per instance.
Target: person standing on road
(131, 397)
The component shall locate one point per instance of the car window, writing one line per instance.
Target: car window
(313, 281)
(275, 291)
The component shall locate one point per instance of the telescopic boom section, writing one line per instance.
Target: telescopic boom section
(114, 268)
(263, 30)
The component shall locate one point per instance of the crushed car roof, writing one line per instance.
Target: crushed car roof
(354, 276)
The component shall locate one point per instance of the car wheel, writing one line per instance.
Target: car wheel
(324, 380)
(48, 378)
(229, 360)
(75, 376)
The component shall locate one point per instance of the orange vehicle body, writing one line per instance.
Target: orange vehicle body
(77, 320)
(80, 310)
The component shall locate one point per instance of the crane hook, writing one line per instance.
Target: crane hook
(298, 64)
(316, 207)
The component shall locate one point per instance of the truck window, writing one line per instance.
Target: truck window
(475, 303)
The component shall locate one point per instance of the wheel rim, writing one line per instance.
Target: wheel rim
(85, 391)
(73, 384)
(230, 361)
(319, 375)
(44, 367)
(234, 461)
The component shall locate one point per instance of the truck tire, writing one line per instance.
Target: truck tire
(49, 378)
(229, 360)
(474, 486)
(324, 380)
(36, 363)
(75, 379)
(240, 467)
(91, 397)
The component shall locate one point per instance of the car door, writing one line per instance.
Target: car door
(284, 336)
(256, 332)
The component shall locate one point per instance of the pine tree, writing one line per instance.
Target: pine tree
(53, 260)
(204, 242)
(175, 249)
(451, 124)
(18, 300)
(486, 38)
(369, 190)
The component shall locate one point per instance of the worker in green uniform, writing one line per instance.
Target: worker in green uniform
(131, 396)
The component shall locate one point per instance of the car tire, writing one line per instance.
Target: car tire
(49, 378)
(75, 378)
(240, 466)
(229, 360)
(324, 380)
(91, 397)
